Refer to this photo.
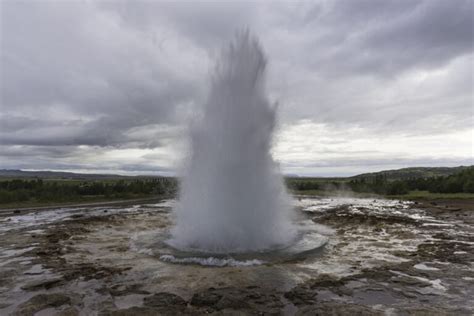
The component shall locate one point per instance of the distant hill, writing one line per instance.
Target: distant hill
(5, 173)
(411, 173)
(399, 174)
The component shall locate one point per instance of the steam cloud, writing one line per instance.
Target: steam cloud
(232, 196)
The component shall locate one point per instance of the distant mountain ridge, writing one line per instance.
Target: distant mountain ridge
(396, 174)
(8, 173)
(413, 172)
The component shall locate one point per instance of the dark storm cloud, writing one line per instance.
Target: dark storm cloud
(80, 79)
(207, 23)
(430, 35)
(72, 75)
(387, 37)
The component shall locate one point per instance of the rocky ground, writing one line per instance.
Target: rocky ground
(383, 258)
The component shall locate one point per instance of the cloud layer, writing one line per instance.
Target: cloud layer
(361, 85)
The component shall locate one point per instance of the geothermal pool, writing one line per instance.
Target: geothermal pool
(371, 256)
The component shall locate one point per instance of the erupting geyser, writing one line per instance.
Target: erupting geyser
(232, 196)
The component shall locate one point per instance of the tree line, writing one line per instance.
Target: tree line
(38, 190)
(462, 181)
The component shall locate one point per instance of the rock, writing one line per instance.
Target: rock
(70, 311)
(121, 290)
(427, 311)
(326, 281)
(57, 236)
(338, 309)
(132, 311)
(301, 296)
(241, 300)
(40, 302)
(235, 302)
(89, 271)
(46, 284)
(164, 299)
(205, 299)
(410, 281)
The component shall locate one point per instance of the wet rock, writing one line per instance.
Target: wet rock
(133, 311)
(164, 299)
(232, 299)
(405, 293)
(411, 281)
(301, 296)
(338, 309)
(90, 271)
(235, 302)
(42, 284)
(326, 281)
(428, 311)
(442, 236)
(205, 299)
(122, 289)
(71, 311)
(380, 274)
(6, 273)
(344, 216)
(331, 283)
(40, 302)
(443, 250)
(57, 236)
(306, 293)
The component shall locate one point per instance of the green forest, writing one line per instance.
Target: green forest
(46, 191)
(381, 183)
(461, 182)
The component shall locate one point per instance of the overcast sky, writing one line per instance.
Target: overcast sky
(362, 85)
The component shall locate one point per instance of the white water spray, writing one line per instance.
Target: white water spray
(232, 196)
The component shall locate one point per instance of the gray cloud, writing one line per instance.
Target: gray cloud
(83, 79)
(384, 38)
(70, 73)
(206, 24)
